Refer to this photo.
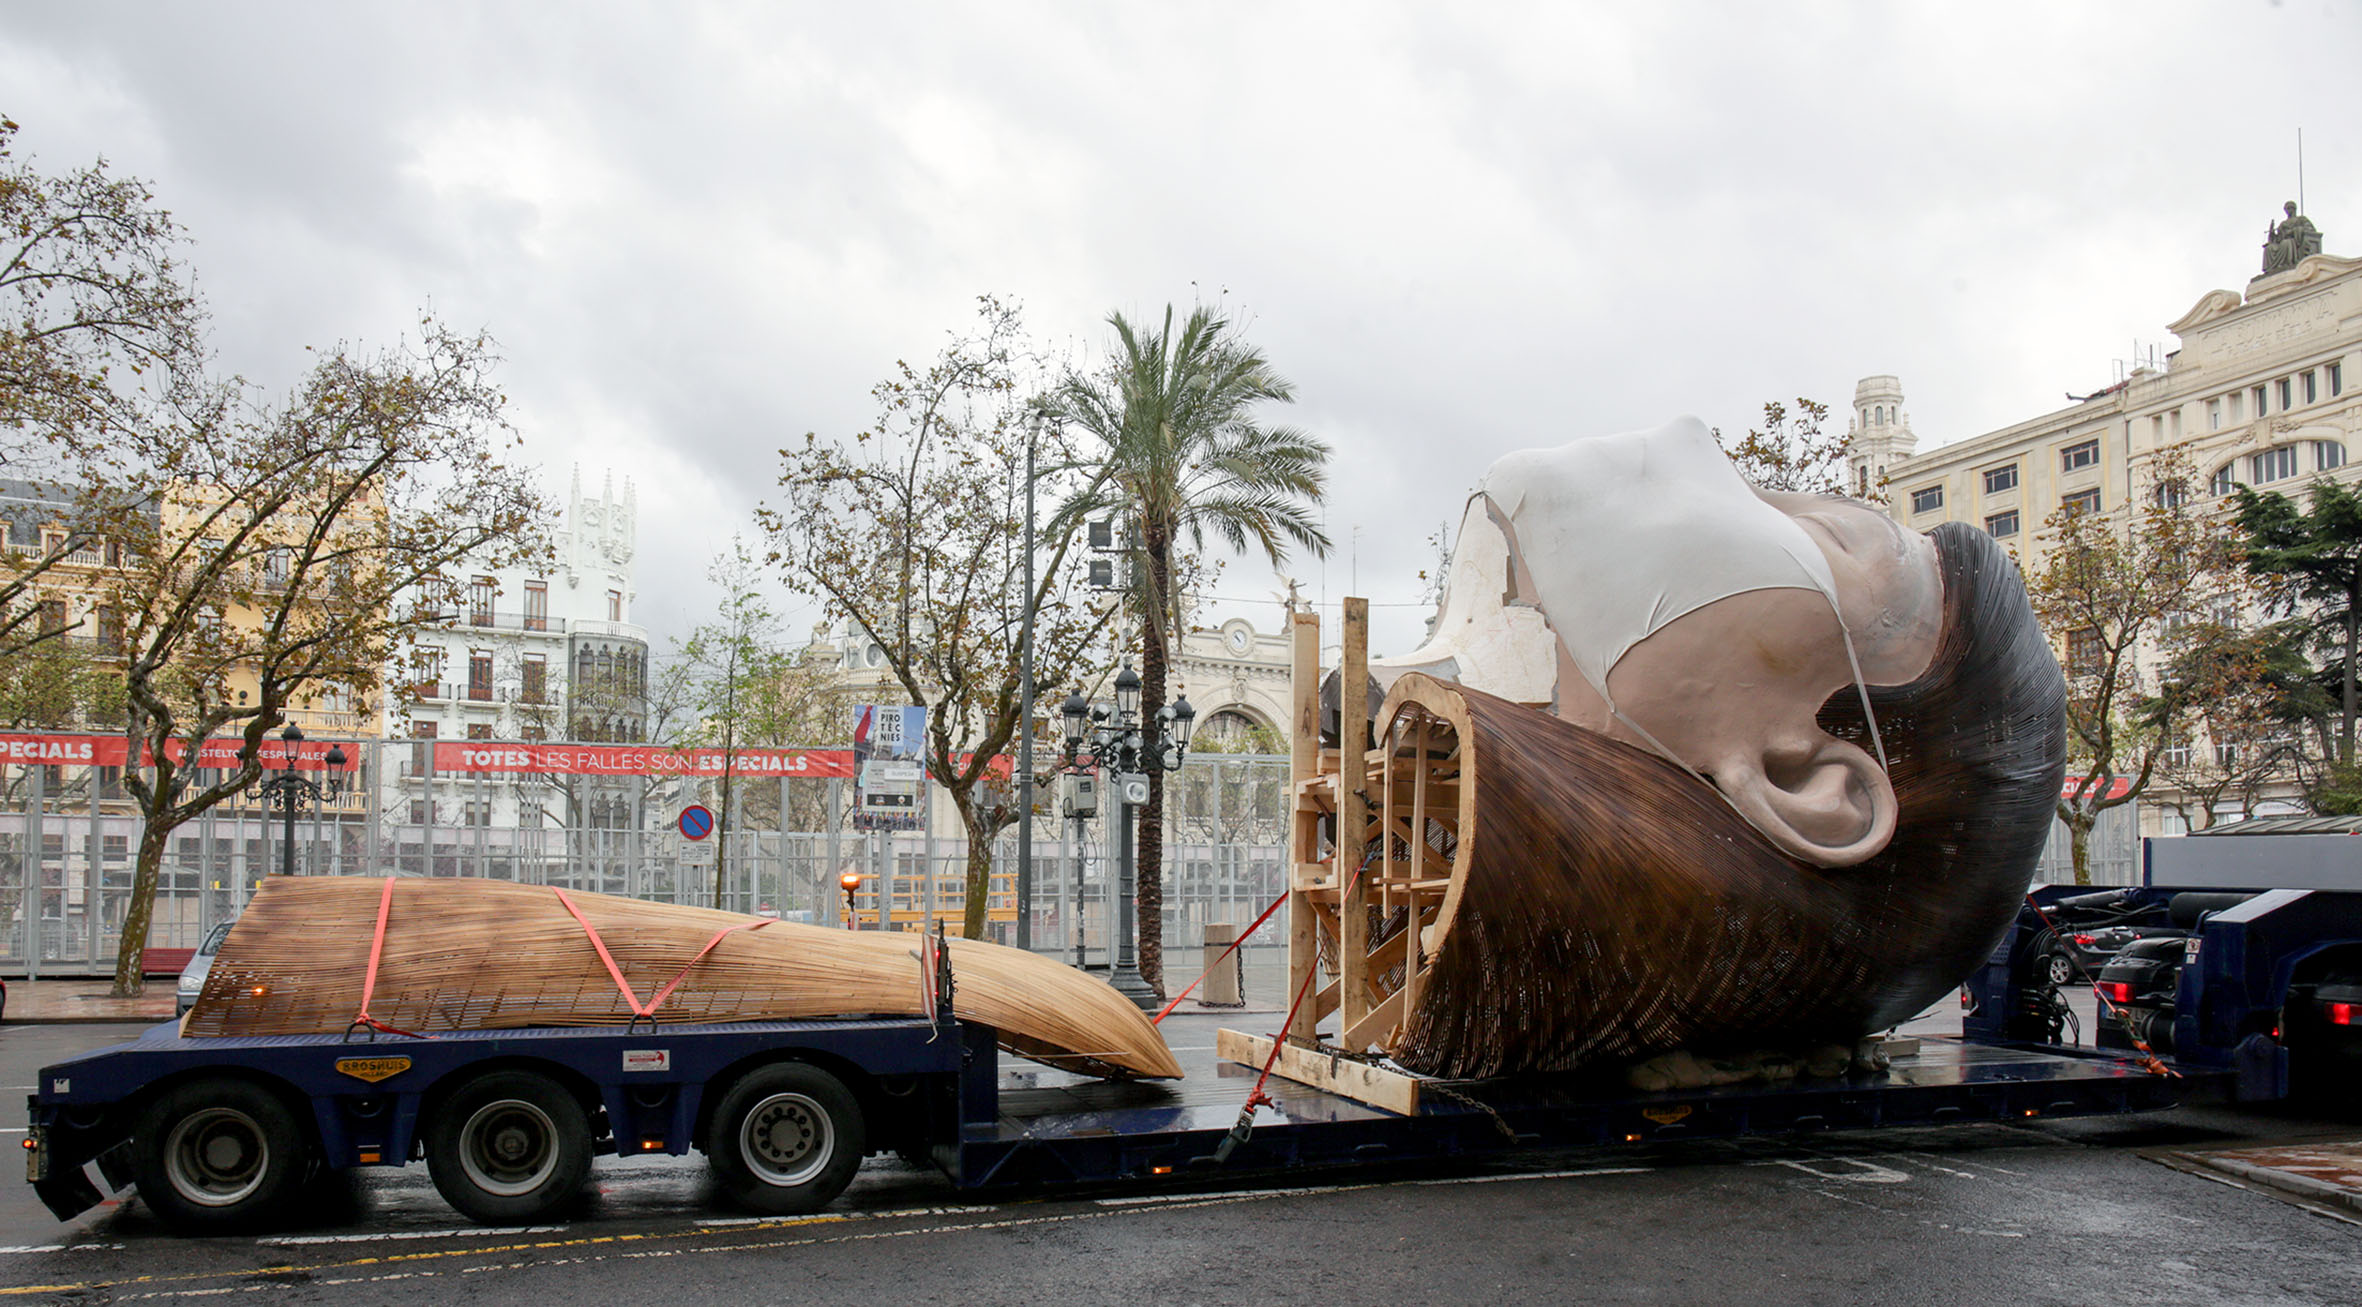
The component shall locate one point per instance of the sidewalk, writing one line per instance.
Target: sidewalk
(34, 1002)
(2329, 1174)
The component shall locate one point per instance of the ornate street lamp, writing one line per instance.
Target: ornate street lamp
(288, 790)
(1118, 741)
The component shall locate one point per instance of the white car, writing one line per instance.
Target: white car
(192, 976)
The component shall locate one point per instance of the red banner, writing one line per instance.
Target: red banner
(112, 750)
(474, 756)
(2118, 787)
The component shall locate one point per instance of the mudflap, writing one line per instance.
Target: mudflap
(67, 1192)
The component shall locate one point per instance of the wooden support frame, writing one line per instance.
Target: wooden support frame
(1396, 813)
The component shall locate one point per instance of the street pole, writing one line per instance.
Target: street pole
(287, 797)
(1125, 975)
(1025, 722)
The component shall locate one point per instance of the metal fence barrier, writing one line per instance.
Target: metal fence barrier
(68, 834)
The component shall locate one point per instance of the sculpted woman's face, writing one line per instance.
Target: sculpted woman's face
(1653, 597)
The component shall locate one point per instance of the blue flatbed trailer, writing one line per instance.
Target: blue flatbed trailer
(122, 1115)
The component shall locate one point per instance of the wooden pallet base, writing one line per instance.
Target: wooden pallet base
(1374, 1086)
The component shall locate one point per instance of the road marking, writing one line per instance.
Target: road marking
(61, 1247)
(726, 1221)
(1864, 1172)
(1541, 1175)
(471, 1232)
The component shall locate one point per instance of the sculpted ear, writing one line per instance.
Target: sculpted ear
(1826, 802)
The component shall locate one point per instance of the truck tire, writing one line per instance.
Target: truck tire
(786, 1138)
(509, 1147)
(219, 1156)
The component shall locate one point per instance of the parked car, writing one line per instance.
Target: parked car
(192, 976)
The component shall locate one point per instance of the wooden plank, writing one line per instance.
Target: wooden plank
(1378, 1087)
(1374, 1027)
(1353, 820)
(1304, 741)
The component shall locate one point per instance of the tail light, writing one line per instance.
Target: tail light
(2083, 941)
(2339, 1014)
(2117, 991)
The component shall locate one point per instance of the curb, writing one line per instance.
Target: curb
(86, 1019)
(2302, 1186)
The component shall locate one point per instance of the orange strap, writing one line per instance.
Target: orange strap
(385, 908)
(624, 986)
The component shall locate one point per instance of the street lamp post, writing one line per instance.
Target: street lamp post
(1117, 740)
(288, 790)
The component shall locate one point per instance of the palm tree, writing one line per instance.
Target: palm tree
(1183, 453)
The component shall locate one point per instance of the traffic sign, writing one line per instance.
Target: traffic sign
(697, 821)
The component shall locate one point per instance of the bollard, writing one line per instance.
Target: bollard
(1225, 983)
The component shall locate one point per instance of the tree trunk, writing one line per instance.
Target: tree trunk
(2079, 826)
(979, 881)
(140, 912)
(1149, 860)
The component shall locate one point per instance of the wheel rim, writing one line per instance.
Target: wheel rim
(2061, 971)
(787, 1139)
(216, 1157)
(508, 1147)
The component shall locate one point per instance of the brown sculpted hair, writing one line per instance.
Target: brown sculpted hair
(1612, 907)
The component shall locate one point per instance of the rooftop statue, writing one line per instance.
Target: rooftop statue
(2290, 241)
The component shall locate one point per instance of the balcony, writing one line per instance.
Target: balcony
(488, 619)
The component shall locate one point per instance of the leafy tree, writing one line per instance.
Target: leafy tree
(2109, 591)
(1175, 420)
(1791, 452)
(914, 531)
(2223, 715)
(730, 668)
(295, 545)
(2309, 560)
(100, 342)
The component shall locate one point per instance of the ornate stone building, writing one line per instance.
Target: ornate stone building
(2261, 392)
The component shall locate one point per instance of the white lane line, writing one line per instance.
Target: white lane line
(1541, 1175)
(723, 1222)
(61, 1247)
(14, 1129)
(470, 1232)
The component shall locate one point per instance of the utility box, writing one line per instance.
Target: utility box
(1226, 978)
(1078, 795)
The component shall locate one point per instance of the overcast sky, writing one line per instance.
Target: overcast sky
(699, 231)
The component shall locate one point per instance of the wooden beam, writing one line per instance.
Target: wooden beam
(1353, 816)
(1304, 742)
(1390, 1091)
(1375, 1025)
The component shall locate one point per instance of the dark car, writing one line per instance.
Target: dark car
(2085, 931)
(2322, 1027)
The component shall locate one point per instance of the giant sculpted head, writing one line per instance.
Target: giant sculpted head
(1801, 757)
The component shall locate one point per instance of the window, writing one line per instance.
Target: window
(2275, 465)
(2327, 454)
(2002, 524)
(2312, 382)
(2174, 419)
(2083, 455)
(2235, 415)
(2172, 494)
(2226, 753)
(480, 595)
(2257, 395)
(421, 729)
(537, 605)
(1998, 479)
(418, 812)
(2175, 755)
(2082, 501)
(536, 733)
(2286, 403)
(110, 629)
(2084, 652)
(615, 605)
(2224, 478)
(479, 675)
(479, 730)
(52, 616)
(536, 677)
(2214, 415)
(1927, 499)
(2337, 379)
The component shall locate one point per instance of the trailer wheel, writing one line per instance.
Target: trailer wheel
(786, 1138)
(217, 1156)
(509, 1148)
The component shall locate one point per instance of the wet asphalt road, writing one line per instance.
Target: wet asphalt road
(2060, 1212)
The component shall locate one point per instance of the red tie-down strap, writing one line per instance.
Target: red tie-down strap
(648, 1009)
(385, 908)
